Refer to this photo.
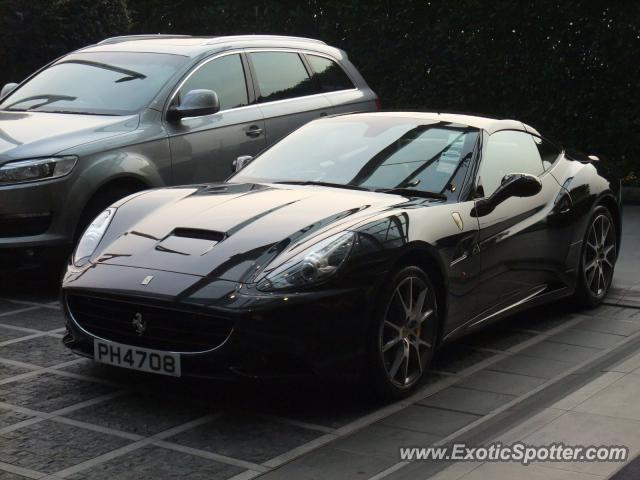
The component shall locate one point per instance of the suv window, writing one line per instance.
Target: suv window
(280, 75)
(547, 150)
(223, 75)
(508, 152)
(328, 74)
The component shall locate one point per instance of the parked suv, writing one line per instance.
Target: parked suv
(136, 112)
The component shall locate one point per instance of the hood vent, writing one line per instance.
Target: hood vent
(190, 241)
(198, 234)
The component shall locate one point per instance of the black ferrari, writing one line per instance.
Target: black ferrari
(355, 246)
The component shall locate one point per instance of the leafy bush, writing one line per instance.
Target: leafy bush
(568, 68)
(34, 32)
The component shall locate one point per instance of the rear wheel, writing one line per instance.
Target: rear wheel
(403, 338)
(597, 260)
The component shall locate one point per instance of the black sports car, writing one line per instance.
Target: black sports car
(355, 246)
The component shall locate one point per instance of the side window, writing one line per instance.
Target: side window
(328, 74)
(225, 76)
(280, 75)
(548, 151)
(508, 152)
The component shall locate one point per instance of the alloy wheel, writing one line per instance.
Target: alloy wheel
(404, 338)
(599, 255)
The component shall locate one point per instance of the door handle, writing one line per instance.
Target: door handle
(254, 131)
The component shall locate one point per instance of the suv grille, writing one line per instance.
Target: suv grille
(167, 328)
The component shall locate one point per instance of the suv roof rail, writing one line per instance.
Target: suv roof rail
(223, 39)
(126, 38)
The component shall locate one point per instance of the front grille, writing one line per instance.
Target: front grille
(167, 327)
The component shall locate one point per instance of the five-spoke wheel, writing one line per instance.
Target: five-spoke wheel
(598, 258)
(406, 331)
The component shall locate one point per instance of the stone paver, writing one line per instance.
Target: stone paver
(245, 437)
(587, 338)
(10, 334)
(43, 319)
(577, 428)
(501, 382)
(48, 392)
(620, 399)
(466, 400)
(51, 446)
(8, 417)
(8, 371)
(383, 441)
(561, 351)
(434, 421)
(42, 351)
(531, 366)
(157, 463)
(142, 414)
(509, 471)
(330, 463)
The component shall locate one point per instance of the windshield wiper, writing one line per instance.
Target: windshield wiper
(413, 192)
(324, 184)
(46, 100)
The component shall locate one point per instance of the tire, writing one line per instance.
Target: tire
(597, 259)
(401, 328)
(97, 204)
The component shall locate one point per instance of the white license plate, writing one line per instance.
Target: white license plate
(136, 358)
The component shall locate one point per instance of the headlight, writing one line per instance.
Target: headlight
(36, 169)
(312, 266)
(92, 235)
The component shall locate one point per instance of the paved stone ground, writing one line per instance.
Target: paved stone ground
(66, 417)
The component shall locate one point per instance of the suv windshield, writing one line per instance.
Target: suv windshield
(107, 83)
(372, 152)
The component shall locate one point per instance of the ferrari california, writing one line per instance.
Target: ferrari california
(355, 246)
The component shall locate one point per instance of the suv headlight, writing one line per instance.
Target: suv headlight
(92, 235)
(314, 265)
(37, 169)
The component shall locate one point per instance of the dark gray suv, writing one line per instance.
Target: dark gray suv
(137, 112)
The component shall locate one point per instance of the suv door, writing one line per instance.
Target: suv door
(285, 92)
(203, 148)
(516, 241)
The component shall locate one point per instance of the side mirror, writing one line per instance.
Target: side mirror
(594, 158)
(196, 103)
(7, 89)
(513, 185)
(241, 162)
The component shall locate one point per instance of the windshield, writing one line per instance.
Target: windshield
(107, 83)
(375, 152)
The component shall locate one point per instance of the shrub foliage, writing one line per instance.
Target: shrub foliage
(570, 68)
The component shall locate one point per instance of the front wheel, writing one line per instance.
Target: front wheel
(597, 260)
(403, 338)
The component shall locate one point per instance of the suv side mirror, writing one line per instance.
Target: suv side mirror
(241, 162)
(513, 185)
(196, 103)
(7, 89)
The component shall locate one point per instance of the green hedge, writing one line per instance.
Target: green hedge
(34, 32)
(569, 68)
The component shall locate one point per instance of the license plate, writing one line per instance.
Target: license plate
(136, 358)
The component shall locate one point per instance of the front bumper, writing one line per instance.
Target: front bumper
(320, 332)
(30, 214)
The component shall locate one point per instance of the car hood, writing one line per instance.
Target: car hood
(40, 134)
(231, 231)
